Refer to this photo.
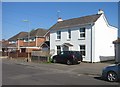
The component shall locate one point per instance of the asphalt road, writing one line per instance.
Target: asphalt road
(21, 74)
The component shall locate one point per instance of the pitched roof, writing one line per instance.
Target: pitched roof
(17, 36)
(38, 32)
(75, 21)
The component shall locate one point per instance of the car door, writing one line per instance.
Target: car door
(60, 57)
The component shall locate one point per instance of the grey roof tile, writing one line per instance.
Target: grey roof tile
(75, 21)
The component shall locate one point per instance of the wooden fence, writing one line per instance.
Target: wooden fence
(40, 56)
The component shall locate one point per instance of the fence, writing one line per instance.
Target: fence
(40, 56)
(15, 54)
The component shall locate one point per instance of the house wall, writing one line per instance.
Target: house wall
(75, 40)
(39, 41)
(20, 43)
(29, 44)
(104, 36)
(32, 44)
(117, 52)
(30, 49)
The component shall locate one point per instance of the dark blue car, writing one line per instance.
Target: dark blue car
(68, 57)
(111, 73)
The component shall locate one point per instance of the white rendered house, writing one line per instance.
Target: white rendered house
(91, 35)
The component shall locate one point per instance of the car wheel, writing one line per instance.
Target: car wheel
(112, 77)
(54, 61)
(69, 62)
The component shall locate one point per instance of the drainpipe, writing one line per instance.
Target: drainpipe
(91, 43)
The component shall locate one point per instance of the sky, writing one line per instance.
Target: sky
(45, 14)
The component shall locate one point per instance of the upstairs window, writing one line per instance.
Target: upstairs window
(26, 40)
(82, 33)
(32, 39)
(58, 34)
(69, 34)
(12, 42)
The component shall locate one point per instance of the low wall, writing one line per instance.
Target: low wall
(106, 58)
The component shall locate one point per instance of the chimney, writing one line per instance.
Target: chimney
(59, 20)
(100, 11)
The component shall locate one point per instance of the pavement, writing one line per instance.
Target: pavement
(82, 68)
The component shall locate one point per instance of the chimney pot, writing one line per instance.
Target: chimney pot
(59, 20)
(100, 11)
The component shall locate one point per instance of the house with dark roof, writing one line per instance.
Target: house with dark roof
(25, 41)
(92, 35)
(12, 43)
(34, 40)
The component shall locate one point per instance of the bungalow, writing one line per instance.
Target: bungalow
(91, 35)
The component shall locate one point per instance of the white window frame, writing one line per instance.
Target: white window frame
(82, 33)
(58, 35)
(83, 50)
(32, 39)
(26, 40)
(12, 42)
(59, 49)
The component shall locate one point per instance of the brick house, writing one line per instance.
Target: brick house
(36, 39)
(22, 43)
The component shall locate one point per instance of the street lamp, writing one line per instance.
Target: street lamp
(28, 59)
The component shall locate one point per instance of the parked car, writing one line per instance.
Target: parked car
(111, 73)
(68, 57)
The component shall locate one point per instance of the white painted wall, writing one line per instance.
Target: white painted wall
(75, 40)
(104, 36)
(99, 45)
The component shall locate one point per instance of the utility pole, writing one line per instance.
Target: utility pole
(28, 59)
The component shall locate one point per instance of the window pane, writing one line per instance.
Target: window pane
(58, 49)
(82, 35)
(58, 34)
(82, 47)
(82, 52)
(82, 32)
(69, 33)
(82, 29)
